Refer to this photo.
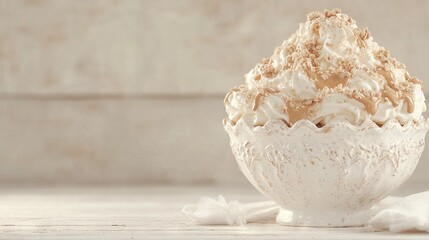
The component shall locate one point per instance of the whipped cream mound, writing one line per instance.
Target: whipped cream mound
(329, 70)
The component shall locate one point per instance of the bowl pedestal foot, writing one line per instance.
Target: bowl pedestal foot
(322, 219)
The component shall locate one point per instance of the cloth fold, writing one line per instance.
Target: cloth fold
(394, 214)
(220, 212)
(410, 213)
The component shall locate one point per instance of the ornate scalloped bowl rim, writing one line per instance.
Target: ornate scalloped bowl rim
(423, 123)
(358, 164)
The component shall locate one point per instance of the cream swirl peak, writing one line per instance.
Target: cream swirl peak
(328, 70)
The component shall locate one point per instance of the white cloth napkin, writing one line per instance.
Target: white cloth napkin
(220, 212)
(394, 214)
(410, 213)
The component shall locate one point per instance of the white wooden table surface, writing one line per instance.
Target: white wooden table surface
(146, 213)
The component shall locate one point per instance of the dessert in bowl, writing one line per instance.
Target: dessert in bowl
(329, 125)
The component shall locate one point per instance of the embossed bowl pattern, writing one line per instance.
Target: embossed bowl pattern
(327, 176)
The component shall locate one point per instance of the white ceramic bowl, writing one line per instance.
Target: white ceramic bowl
(327, 176)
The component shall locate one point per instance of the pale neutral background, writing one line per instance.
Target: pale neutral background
(109, 92)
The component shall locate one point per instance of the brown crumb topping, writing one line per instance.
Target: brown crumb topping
(314, 15)
(331, 75)
(315, 28)
(382, 55)
(332, 13)
(362, 36)
(268, 71)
